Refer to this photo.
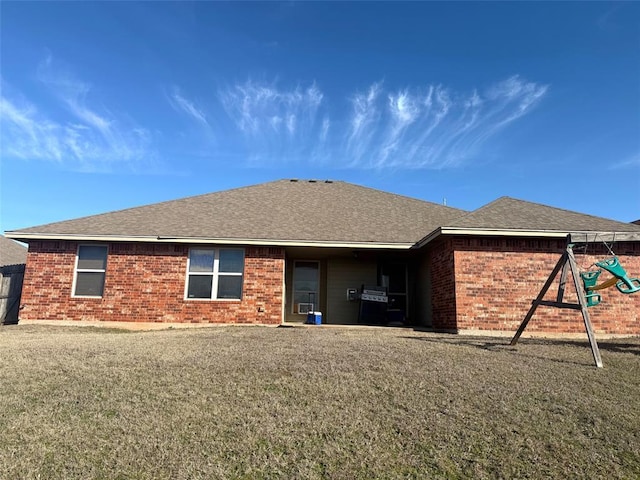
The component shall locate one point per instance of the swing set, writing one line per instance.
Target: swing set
(585, 282)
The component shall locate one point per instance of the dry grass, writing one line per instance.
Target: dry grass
(253, 402)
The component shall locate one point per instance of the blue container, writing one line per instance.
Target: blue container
(314, 318)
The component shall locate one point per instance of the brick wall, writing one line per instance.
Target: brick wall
(443, 286)
(497, 278)
(146, 283)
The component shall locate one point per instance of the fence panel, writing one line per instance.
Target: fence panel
(11, 278)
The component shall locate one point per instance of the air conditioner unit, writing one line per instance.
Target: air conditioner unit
(305, 308)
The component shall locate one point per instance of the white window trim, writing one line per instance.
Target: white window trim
(88, 270)
(316, 305)
(216, 274)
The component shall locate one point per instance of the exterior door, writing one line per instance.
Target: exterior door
(395, 278)
(306, 286)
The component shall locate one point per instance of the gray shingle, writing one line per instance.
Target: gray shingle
(320, 211)
(281, 210)
(11, 252)
(508, 213)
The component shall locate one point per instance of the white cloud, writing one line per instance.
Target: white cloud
(364, 115)
(428, 127)
(27, 134)
(632, 162)
(435, 127)
(85, 139)
(431, 126)
(254, 106)
(277, 124)
(291, 123)
(73, 94)
(181, 104)
(324, 130)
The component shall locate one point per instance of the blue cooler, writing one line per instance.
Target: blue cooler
(314, 318)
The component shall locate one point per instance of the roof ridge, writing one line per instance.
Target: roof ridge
(480, 208)
(398, 195)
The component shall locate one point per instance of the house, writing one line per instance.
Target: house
(13, 257)
(270, 253)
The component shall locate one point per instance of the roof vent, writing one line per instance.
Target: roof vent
(293, 180)
(328, 181)
(312, 181)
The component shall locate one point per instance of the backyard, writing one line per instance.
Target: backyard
(313, 402)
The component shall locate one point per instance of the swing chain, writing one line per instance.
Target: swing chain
(613, 243)
(584, 254)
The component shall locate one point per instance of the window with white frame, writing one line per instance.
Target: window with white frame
(91, 268)
(215, 273)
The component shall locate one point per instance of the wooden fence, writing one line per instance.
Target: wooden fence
(11, 278)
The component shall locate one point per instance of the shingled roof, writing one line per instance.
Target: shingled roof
(11, 252)
(322, 213)
(508, 213)
(294, 211)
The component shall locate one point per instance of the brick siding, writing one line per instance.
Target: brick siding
(443, 285)
(497, 278)
(476, 284)
(146, 283)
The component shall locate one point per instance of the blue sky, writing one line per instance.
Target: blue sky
(108, 105)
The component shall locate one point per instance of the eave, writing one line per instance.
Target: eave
(576, 237)
(26, 237)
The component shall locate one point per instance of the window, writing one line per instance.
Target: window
(215, 274)
(91, 266)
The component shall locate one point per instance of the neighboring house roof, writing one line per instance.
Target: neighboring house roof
(284, 211)
(320, 213)
(510, 216)
(508, 213)
(636, 222)
(11, 252)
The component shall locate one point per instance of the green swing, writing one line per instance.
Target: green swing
(589, 280)
(624, 284)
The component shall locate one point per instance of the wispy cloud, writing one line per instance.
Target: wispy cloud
(73, 94)
(277, 122)
(255, 107)
(181, 104)
(436, 127)
(632, 162)
(608, 21)
(86, 139)
(365, 114)
(269, 124)
(429, 127)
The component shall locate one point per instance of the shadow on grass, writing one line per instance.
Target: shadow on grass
(632, 348)
(605, 345)
(629, 345)
(502, 345)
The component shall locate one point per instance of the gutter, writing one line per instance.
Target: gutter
(577, 237)
(199, 240)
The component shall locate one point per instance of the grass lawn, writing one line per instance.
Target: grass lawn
(260, 402)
